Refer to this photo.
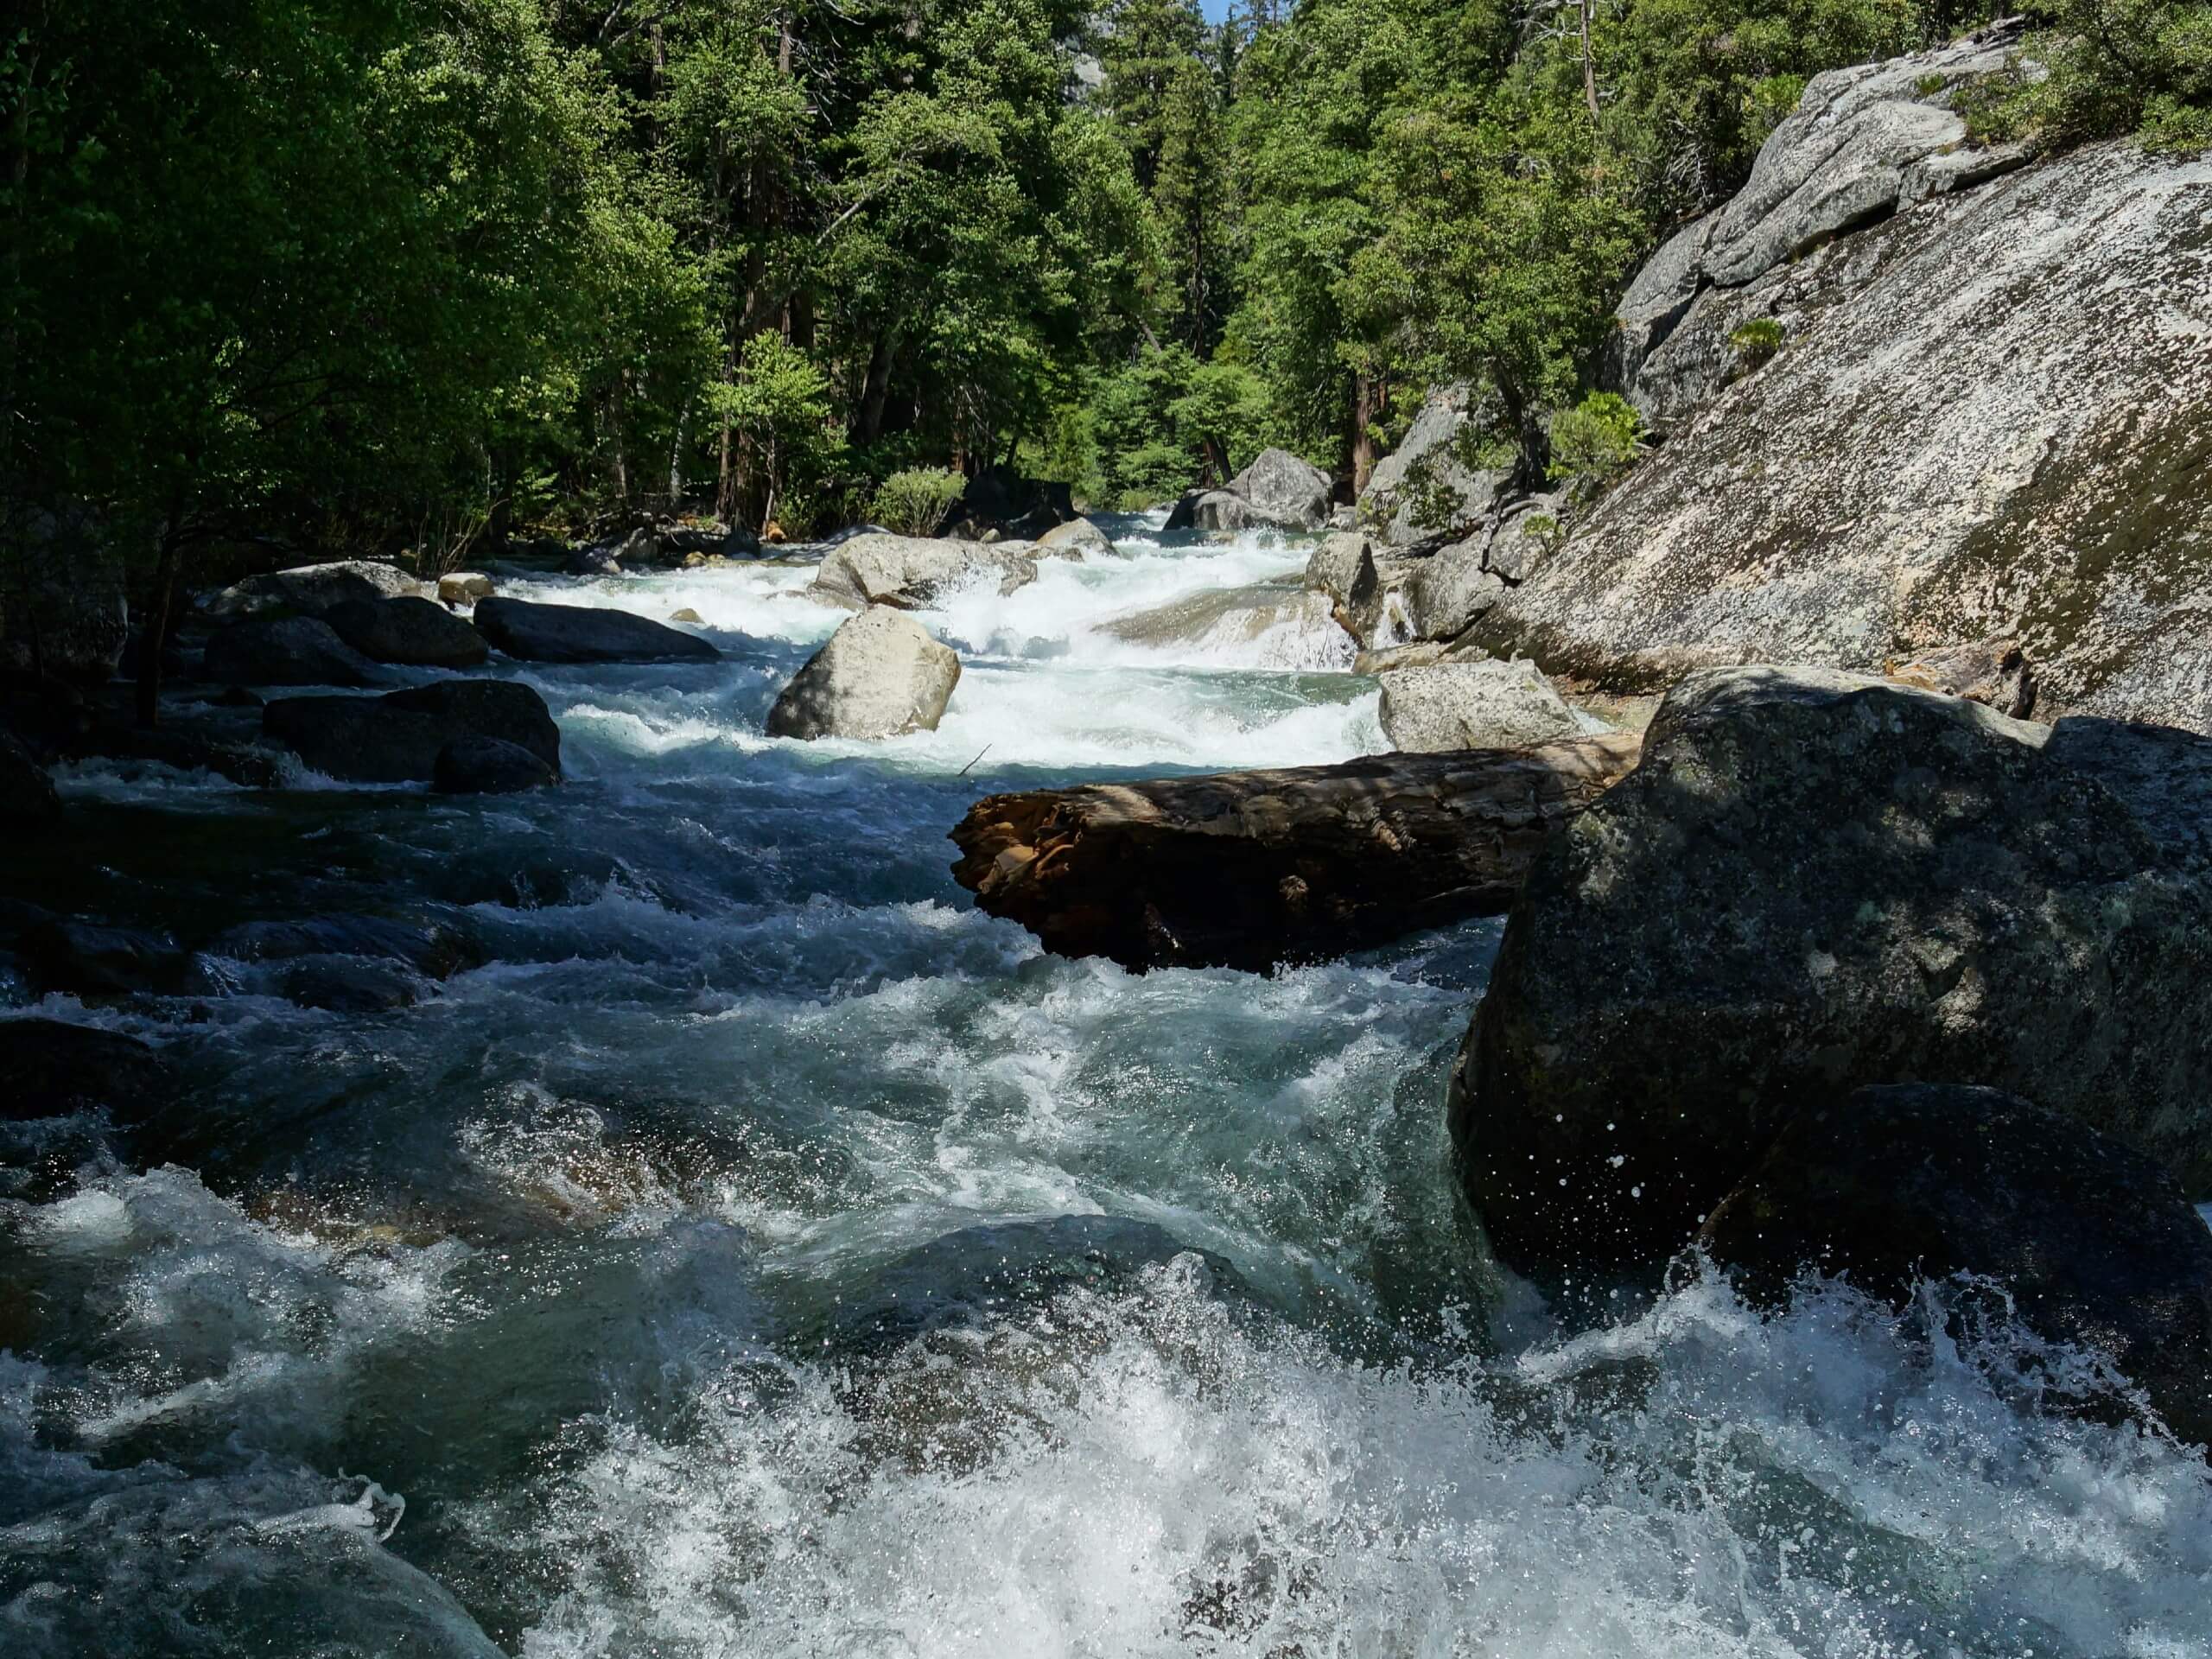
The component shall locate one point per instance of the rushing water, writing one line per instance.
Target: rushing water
(762, 1252)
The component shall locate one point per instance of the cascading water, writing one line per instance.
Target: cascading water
(762, 1252)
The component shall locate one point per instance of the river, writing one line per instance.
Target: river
(758, 1251)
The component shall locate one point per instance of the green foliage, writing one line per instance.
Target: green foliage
(1598, 440)
(2103, 68)
(915, 502)
(1756, 341)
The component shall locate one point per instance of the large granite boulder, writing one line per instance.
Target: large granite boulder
(2083, 1241)
(1473, 705)
(416, 633)
(1816, 880)
(911, 573)
(584, 634)
(881, 675)
(396, 739)
(1988, 417)
(1078, 538)
(27, 800)
(285, 650)
(311, 589)
(1278, 491)
(1434, 488)
(1298, 624)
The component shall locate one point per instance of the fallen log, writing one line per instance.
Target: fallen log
(1260, 869)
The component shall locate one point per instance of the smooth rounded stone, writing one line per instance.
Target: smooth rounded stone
(1450, 589)
(1816, 880)
(1473, 705)
(1425, 494)
(581, 634)
(2088, 1243)
(911, 573)
(351, 987)
(475, 765)
(86, 959)
(312, 589)
(395, 739)
(881, 675)
(416, 632)
(29, 801)
(464, 586)
(285, 650)
(1078, 538)
(50, 1068)
(1994, 671)
(1285, 490)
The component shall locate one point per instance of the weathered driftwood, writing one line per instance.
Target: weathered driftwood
(1258, 869)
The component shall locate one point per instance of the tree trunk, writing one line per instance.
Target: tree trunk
(1589, 64)
(1258, 869)
(155, 631)
(877, 391)
(1366, 405)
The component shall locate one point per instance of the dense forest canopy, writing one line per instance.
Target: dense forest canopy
(405, 273)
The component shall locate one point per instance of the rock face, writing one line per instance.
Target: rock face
(63, 609)
(285, 650)
(1078, 538)
(1988, 417)
(1818, 880)
(1277, 492)
(1994, 671)
(396, 739)
(910, 573)
(311, 589)
(1425, 494)
(473, 764)
(417, 632)
(27, 801)
(581, 634)
(1473, 705)
(1255, 869)
(879, 676)
(50, 1068)
(2094, 1244)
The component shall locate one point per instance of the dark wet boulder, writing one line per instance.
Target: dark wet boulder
(1817, 880)
(27, 800)
(1000, 500)
(285, 650)
(473, 764)
(312, 589)
(881, 675)
(247, 764)
(85, 959)
(2088, 1243)
(341, 986)
(433, 948)
(416, 632)
(50, 1068)
(583, 633)
(395, 739)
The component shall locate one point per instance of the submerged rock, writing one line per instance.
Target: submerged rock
(1473, 705)
(312, 589)
(395, 739)
(351, 987)
(2088, 1243)
(431, 948)
(417, 632)
(85, 959)
(1817, 880)
(910, 573)
(50, 1068)
(285, 650)
(584, 634)
(473, 764)
(881, 675)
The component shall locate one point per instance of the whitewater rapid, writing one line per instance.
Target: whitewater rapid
(761, 1252)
